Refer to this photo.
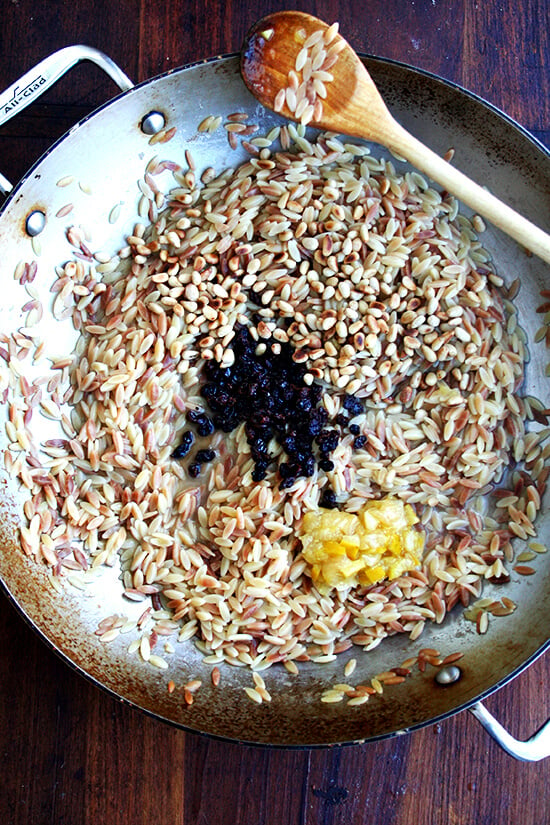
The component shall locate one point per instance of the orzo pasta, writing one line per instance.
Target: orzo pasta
(387, 303)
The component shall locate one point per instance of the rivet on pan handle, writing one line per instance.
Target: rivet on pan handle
(532, 750)
(45, 74)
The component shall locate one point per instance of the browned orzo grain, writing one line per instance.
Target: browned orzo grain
(64, 210)
(384, 291)
(524, 570)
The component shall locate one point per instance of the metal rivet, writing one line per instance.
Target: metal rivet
(448, 675)
(35, 223)
(153, 123)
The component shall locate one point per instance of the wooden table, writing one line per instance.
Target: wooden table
(69, 753)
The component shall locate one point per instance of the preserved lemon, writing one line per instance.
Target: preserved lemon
(348, 549)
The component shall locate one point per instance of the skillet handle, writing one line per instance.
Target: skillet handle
(532, 750)
(45, 74)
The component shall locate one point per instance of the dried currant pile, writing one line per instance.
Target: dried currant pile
(268, 393)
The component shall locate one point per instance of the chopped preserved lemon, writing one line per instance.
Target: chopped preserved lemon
(348, 549)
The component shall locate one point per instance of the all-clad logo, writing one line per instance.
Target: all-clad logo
(21, 94)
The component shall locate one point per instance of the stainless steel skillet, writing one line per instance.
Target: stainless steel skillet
(100, 161)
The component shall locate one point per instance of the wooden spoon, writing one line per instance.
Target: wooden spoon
(353, 106)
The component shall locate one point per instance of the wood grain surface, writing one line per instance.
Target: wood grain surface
(70, 754)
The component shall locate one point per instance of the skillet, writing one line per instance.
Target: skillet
(103, 157)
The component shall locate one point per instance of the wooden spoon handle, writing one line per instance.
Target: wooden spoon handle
(527, 234)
